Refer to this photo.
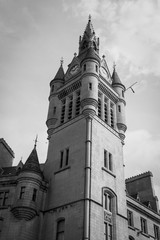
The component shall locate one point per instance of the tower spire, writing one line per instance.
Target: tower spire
(89, 38)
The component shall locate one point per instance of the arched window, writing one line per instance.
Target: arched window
(109, 205)
(60, 229)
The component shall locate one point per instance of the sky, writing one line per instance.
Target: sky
(34, 35)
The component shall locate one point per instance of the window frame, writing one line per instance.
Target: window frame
(156, 232)
(4, 195)
(22, 192)
(144, 227)
(59, 232)
(130, 218)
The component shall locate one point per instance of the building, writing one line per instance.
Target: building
(80, 191)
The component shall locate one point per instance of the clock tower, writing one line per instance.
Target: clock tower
(86, 197)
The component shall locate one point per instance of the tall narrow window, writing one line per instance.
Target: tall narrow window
(105, 159)
(63, 110)
(107, 231)
(105, 110)
(156, 232)
(67, 156)
(54, 110)
(78, 102)
(119, 108)
(52, 89)
(70, 107)
(107, 202)
(112, 115)
(34, 194)
(1, 224)
(60, 230)
(96, 68)
(144, 225)
(22, 192)
(99, 107)
(3, 198)
(61, 160)
(130, 218)
(84, 67)
(90, 86)
(110, 162)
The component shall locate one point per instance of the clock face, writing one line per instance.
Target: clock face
(104, 72)
(74, 69)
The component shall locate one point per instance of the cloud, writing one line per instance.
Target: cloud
(130, 29)
(142, 153)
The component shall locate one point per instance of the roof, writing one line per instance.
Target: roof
(7, 146)
(60, 73)
(115, 77)
(32, 163)
(142, 175)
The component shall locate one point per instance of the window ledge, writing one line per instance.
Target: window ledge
(145, 234)
(131, 227)
(108, 171)
(62, 169)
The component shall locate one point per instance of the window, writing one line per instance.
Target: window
(107, 202)
(130, 218)
(34, 194)
(61, 160)
(99, 107)
(105, 110)
(3, 198)
(70, 107)
(1, 224)
(67, 156)
(78, 103)
(54, 110)
(122, 93)
(52, 89)
(119, 108)
(96, 68)
(112, 115)
(63, 110)
(156, 232)
(60, 230)
(144, 225)
(108, 160)
(90, 86)
(107, 231)
(84, 67)
(22, 192)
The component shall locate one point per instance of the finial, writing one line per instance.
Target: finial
(75, 54)
(21, 159)
(36, 141)
(61, 61)
(114, 66)
(103, 56)
(89, 18)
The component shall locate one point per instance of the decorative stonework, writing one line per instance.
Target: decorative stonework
(69, 90)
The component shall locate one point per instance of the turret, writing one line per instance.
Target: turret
(28, 195)
(55, 84)
(90, 64)
(120, 106)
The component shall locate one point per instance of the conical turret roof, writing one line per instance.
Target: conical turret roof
(32, 163)
(115, 78)
(60, 73)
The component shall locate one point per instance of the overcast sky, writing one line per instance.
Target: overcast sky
(34, 35)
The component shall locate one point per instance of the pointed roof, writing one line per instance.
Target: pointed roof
(60, 73)
(32, 163)
(89, 38)
(115, 77)
(92, 54)
(89, 31)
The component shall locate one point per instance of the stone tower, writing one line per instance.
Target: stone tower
(86, 197)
